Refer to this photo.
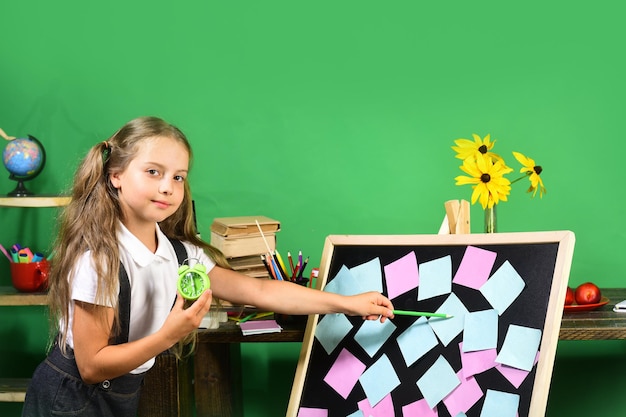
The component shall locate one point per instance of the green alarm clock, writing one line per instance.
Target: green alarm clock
(193, 281)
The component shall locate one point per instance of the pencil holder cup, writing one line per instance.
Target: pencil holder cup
(31, 276)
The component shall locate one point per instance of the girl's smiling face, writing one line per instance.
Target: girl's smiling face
(152, 188)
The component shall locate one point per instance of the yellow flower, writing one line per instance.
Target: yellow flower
(487, 171)
(533, 172)
(467, 149)
(487, 176)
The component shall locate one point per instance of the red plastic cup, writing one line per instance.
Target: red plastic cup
(30, 276)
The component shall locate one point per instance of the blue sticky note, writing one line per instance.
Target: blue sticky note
(373, 334)
(416, 341)
(520, 347)
(500, 404)
(379, 380)
(447, 329)
(438, 381)
(357, 413)
(503, 287)
(331, 330)
(344, 283)
(435, 278)
(369, 275)
(481, 331)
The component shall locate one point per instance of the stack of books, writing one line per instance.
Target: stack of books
(241, 241)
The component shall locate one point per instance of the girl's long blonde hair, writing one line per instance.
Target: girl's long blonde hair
(91, 221)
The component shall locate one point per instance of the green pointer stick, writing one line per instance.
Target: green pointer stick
(421, 313)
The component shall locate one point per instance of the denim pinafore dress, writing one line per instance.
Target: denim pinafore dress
(56, 388)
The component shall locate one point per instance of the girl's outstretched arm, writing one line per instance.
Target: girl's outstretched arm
(290, 298)
(97, 360)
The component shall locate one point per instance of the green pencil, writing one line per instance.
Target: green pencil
(245, 319)
(421, 313)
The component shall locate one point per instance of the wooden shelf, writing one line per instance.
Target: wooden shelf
(9, 296)
(13, 389)
(35, 201)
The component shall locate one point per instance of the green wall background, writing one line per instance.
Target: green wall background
(335, 118)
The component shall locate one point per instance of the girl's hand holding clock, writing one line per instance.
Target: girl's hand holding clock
(182, 321)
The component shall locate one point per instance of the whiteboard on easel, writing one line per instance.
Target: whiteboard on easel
(494, 358)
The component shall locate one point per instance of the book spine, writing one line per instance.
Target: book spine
(245, 246)
(226, 231)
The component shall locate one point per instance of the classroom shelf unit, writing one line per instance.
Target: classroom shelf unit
(14, 389)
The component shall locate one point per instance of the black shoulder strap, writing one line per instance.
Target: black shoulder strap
(179, 248)
(123, 303)
(181, 255)
(124, 295)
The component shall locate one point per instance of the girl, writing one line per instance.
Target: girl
(113, 292)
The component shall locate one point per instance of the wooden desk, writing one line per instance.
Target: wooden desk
(217, 369)
(600, 324)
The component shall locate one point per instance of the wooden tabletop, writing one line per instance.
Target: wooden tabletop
(600, 324)
(229, 332)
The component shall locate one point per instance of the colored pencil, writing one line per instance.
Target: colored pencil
(276, 268)
(306, 261)
(269, 270)
(6, 253)
(245, 319)
(283, 268)
(290, 262)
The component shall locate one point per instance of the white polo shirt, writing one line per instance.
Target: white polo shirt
(152, 277)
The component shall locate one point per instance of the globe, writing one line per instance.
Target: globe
(24, 158)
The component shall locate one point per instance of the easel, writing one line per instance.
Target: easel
(457, 218)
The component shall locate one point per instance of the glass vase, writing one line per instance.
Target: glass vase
(491, 220)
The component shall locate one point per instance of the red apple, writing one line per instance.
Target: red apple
(587, 293)
(569, 296)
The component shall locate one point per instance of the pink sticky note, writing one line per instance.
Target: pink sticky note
(513, 375)
(476, 362)
(312, 412)
(384, 408)
(419, 408)
(345, 373)
(464, 396)
(401, 275)
(475, 267)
